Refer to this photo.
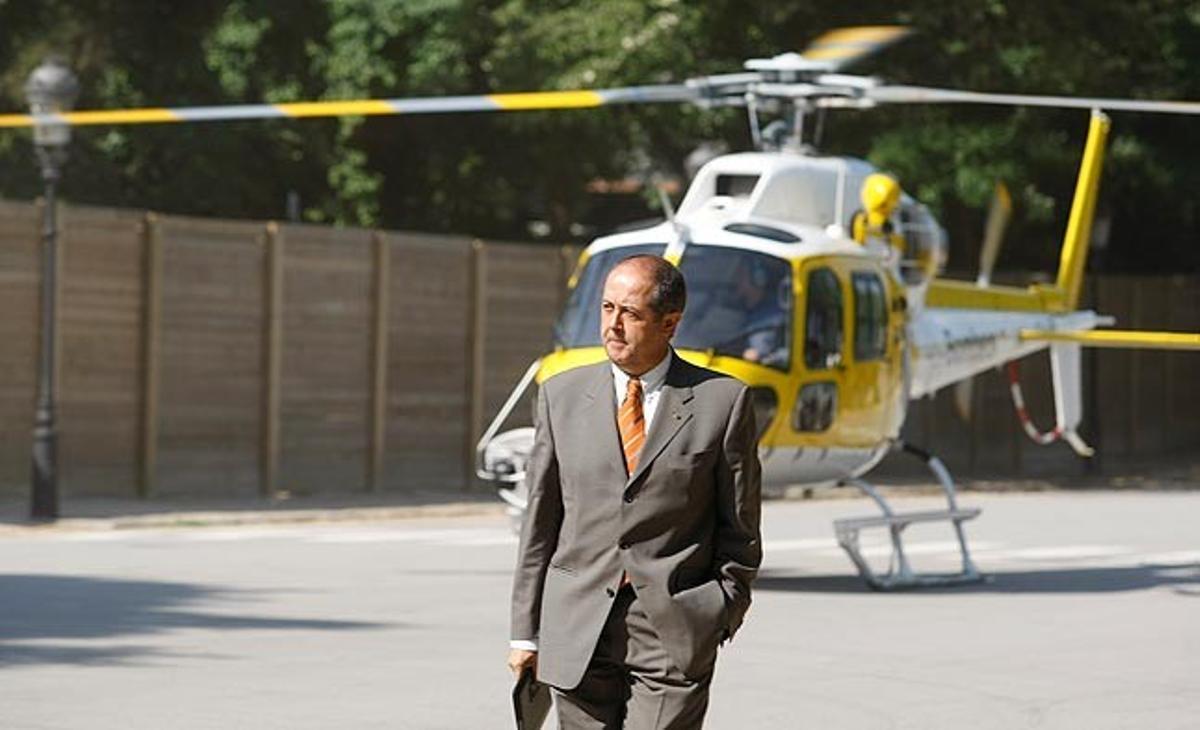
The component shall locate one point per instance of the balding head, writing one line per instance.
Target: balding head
(641, 306)
(668, 293)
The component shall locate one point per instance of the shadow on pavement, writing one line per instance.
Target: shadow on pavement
(37, 608)
(1183, 579)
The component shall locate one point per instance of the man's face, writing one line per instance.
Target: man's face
(635, 337)
(749, 292)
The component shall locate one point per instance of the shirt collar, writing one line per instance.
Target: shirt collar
(652, 379)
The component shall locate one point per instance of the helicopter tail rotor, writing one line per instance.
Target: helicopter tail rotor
(999, 214)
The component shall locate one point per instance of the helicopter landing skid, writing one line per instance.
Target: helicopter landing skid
(900, 573)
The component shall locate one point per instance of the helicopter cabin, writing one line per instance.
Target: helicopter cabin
(778, 296)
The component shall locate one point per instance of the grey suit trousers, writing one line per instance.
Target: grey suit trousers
(631, 683)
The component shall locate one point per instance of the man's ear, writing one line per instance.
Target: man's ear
(670, 322)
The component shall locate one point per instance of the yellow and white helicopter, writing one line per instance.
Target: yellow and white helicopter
(814, 279)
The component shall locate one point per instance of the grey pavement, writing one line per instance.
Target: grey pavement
(1091, 620)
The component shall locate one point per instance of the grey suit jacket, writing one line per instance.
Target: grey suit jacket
(684, 525)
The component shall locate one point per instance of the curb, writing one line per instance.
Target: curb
(184, 519)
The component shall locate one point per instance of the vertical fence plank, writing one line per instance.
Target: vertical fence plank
(272, 356)
(429, 362)
(1113, 372)
(381, 307)
(1182, 385)
(211, 371)
(19, 226)
(151, 342)
(326, 372)
(1135, 372)
(100, 341)
(476, 354)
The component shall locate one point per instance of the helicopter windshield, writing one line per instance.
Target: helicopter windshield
(739, 303)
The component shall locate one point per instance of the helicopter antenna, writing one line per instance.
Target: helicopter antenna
(819, 132)
(676, 247)
(665, 201)
(752, 113)
(798, 113)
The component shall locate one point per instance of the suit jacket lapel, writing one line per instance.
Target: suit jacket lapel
(673, 411)
(602, 417)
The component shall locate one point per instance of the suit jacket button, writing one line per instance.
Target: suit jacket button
(624, 546)
(628, 498)
(610, 592)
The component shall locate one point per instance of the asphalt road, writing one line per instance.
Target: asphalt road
(1092, 620)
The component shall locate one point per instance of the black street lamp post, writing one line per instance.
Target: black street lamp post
(51, 90)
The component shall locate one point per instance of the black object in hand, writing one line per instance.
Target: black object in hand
(531, 702)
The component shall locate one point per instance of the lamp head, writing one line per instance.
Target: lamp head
(51, 89)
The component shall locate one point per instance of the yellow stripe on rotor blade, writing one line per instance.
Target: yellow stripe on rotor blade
(1119, 338)
(121, 116)
(547, 100)
(335, 108)
(112, 116)
(15, 120)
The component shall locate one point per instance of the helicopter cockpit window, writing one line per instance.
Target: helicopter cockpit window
(823, 323)
(739, 304)
(736, 186)
(579, 325)
(870, 316)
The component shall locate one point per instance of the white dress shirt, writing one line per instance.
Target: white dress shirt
(652, 382)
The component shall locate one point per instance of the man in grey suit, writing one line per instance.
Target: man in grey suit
(641, 537)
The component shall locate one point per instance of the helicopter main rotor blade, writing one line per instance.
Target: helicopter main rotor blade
(843, 46)
(928, 95)
(581, 99)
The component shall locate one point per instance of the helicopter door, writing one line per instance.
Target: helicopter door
(871, 378)
(848, 385)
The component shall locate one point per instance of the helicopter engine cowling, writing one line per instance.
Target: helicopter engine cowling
(925, 246)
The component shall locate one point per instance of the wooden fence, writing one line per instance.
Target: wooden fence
(220, 358)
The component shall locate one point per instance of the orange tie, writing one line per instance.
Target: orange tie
(632, 424)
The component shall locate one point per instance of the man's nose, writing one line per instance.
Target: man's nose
(609, 320)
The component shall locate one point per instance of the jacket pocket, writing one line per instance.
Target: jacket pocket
(685, 578)
(706, 608)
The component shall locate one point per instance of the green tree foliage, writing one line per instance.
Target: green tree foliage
(492, 174)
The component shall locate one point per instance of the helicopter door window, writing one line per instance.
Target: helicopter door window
(815, 407)
(870, 316)
(823, 322)
(579, 325)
